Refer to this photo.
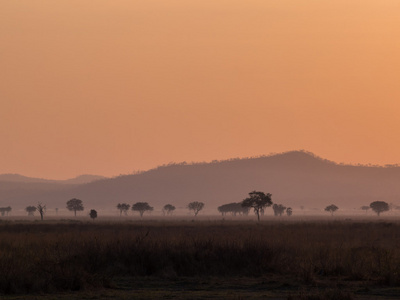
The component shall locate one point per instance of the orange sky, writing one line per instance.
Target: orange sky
(109, 87)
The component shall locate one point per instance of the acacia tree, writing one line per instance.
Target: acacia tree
(196, 207)
(168, 209)
(75, 205)
(331, 208)
(142, 207)
(93, 214)
(379, 206)
(30, 210)
(123, 207)
(258, 201)
(279, 209)
(41, 209)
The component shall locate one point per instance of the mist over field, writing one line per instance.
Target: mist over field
(294, 179)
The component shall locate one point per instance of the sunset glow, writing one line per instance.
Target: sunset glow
(110, 87)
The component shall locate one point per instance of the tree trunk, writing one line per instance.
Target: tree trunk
(75, 212)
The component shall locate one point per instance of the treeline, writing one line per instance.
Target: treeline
(258, 201)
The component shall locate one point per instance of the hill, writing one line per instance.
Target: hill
(24, 179)
(294, 178)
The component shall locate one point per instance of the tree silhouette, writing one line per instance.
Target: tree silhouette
(258, 201)
(233, 208)
(41, 209)
(75, 205)
(366, 208)
(141, 207)
(196, 207)
(168, 209)
(93, 214)
(5, 210)
(123, 207)
(331, 208)
(30, 210)
(279, 209)
(379, 206)
(289, 211)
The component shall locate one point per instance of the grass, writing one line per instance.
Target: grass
(200, 260)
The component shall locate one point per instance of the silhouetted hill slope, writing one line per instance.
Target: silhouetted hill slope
(294, 178)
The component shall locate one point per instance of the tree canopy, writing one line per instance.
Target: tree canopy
(366, 208)
(196, 207)
(279, 209)
(93, 214)
(331, 208)
(30, 210)
(123, 207)
(168, 209)
(75, 205)
(379, 206)
(258, 201)
(141, 207)
(5, 210)
(289, 211)
(233, 208)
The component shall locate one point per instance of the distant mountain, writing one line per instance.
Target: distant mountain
(294, 178)
(77, 180)
(20, 178)
(82, 179)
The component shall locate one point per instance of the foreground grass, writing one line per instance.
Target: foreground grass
(200, 260)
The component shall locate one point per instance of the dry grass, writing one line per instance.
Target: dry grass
(71, 256)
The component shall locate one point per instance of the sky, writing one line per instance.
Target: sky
(111, 87)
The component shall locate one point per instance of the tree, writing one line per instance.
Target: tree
(196, 207)
(279, 209)
(258, 201)
(289, 211)
(331, 208)
(123, 207)
(5, 210)
(30, 210)
(379, 206)
(366, 208)
(93, 214)
(168, 209)
(141, 207)
(41, 209)
(233, 208)
(75, 205)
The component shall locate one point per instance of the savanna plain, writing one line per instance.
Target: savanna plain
(174, 257)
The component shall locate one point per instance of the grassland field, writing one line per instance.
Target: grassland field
(201, 258)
